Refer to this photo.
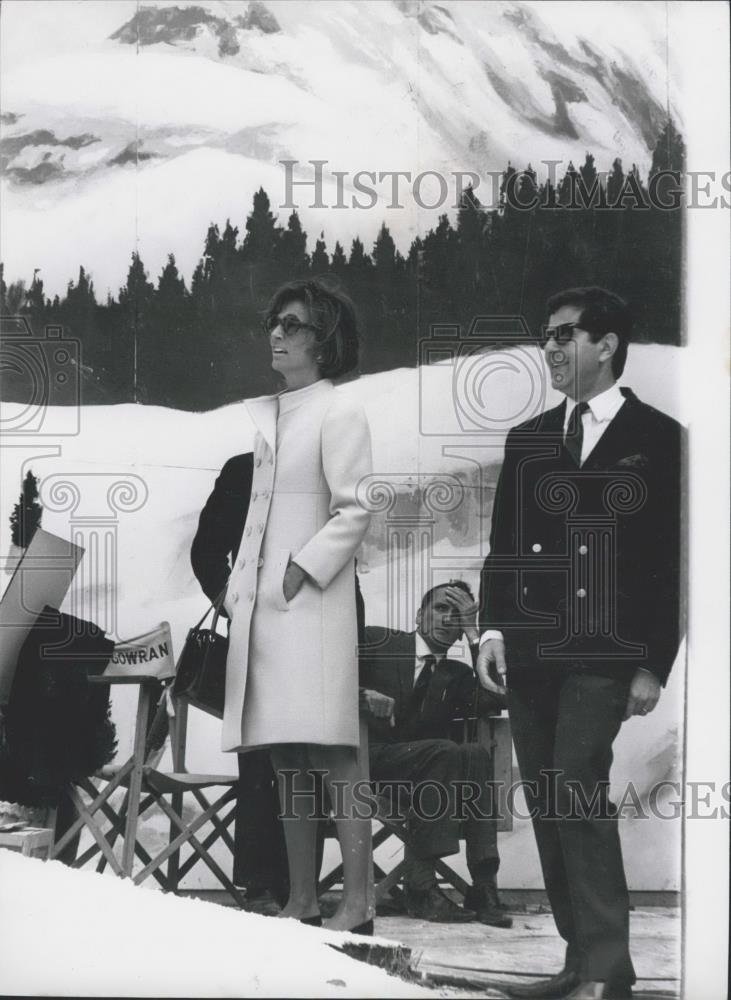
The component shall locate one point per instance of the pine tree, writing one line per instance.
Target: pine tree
(35, 300)
(135, 301)
(3, 289)
(359, 259)
(27, 513)
(384, 253)
(320, 260)
(338, 263)
(291, 250)
(262, 233)
(669, 152)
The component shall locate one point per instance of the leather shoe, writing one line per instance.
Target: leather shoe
(484, 900)
(554, 988)
(433, 905)
(593, 990)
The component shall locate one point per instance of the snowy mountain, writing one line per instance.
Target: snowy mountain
(159, 117)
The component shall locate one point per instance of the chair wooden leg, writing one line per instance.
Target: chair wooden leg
(187, 835)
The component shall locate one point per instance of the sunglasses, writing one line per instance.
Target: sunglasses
(289, 324)
(562, 334)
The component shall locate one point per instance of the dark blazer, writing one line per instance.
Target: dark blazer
(567, 542)
(386, 662)
(221, 525)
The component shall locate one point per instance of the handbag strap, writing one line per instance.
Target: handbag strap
(216, 606)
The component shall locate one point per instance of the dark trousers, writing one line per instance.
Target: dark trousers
(566, 723)
(434, 822)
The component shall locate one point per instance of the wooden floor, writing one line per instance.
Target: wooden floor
(473, 960)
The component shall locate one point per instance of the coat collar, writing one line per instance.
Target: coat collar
(263, 411)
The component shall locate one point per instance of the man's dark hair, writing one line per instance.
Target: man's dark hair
(333, 314)
(601, 312)
(429, 595)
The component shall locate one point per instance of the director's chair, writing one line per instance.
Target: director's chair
(146, 786)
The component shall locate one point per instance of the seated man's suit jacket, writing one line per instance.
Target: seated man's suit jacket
(387, 662)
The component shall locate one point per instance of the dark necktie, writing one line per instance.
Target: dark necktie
(422, 683)
(575, 432)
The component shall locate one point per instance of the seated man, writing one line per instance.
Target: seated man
(411, 693)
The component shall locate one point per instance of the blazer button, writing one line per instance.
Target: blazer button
(242, 563)
(234, 597)
(583, 550)
(260, 528)
(250, 595)
(525, 591)
(537, 547)
(581, 592)
(257, 463)
(265, 495)
(260, 562)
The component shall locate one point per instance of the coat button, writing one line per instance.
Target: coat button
(581, 592)
(265, 495)
(234, 597)
(525, 591)
(260, 528)
(260, 562)
(537, 547)
(242, 563)
(583, 550)
(257, 463)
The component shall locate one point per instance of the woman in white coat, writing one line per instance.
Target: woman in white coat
(291, 675)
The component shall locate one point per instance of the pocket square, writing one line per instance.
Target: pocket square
(634, 462)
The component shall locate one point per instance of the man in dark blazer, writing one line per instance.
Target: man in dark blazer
(580, 604)
(260, 854)
(412, 692)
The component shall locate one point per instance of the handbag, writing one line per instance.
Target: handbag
(200, 675)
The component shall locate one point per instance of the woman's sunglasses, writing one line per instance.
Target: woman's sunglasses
(289, 324)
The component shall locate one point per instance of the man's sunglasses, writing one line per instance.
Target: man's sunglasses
(289, 324)
(562, 334)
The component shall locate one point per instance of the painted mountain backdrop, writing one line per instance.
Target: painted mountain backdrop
(134, 125)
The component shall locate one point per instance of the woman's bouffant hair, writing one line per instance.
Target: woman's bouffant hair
(333, 315)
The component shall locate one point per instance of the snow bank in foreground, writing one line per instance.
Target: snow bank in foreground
(78, 933)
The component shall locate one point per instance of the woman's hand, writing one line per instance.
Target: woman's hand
(294, 577)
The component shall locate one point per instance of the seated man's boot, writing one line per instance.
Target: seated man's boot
(432, 904)
(483, 899)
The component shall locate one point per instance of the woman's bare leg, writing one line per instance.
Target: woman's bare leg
(341, 772)
(300, 830)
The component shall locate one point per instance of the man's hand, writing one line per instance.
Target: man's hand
(492, 651)
(644, 694)
(294, 577)
(379, 705)
(465, 611)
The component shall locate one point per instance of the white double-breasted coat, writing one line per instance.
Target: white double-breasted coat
(291, 672)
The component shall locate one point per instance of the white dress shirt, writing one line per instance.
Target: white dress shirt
(602, 411)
